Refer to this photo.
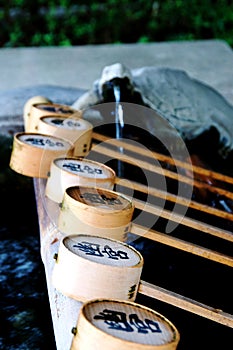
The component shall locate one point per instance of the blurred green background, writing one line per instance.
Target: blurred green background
(70, 22)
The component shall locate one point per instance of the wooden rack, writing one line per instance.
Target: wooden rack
(203, 238)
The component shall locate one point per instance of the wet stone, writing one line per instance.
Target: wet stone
(25, 319)
(24, 316)
(12, 102)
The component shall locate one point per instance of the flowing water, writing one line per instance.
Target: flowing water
(119, 121)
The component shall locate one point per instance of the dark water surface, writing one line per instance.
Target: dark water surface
(25, 319)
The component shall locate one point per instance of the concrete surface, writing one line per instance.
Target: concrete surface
(210, 61)
(64, 73)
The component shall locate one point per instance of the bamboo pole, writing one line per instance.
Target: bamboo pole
(164, 158)
(175, 199)
(197, 225)
(186, 304)
(161, 171)
(182, 245)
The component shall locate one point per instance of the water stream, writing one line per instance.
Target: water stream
(119, 121)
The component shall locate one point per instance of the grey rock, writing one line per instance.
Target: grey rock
(12, 102)
(189, 105)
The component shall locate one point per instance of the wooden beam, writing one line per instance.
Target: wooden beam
(182, 245)
(186, 304)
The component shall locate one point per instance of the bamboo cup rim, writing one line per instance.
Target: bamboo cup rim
(138, 258)
(108, 173)
(84, 125)
(20, 137)
(85, 313)
(75, 195)
(58, 108)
